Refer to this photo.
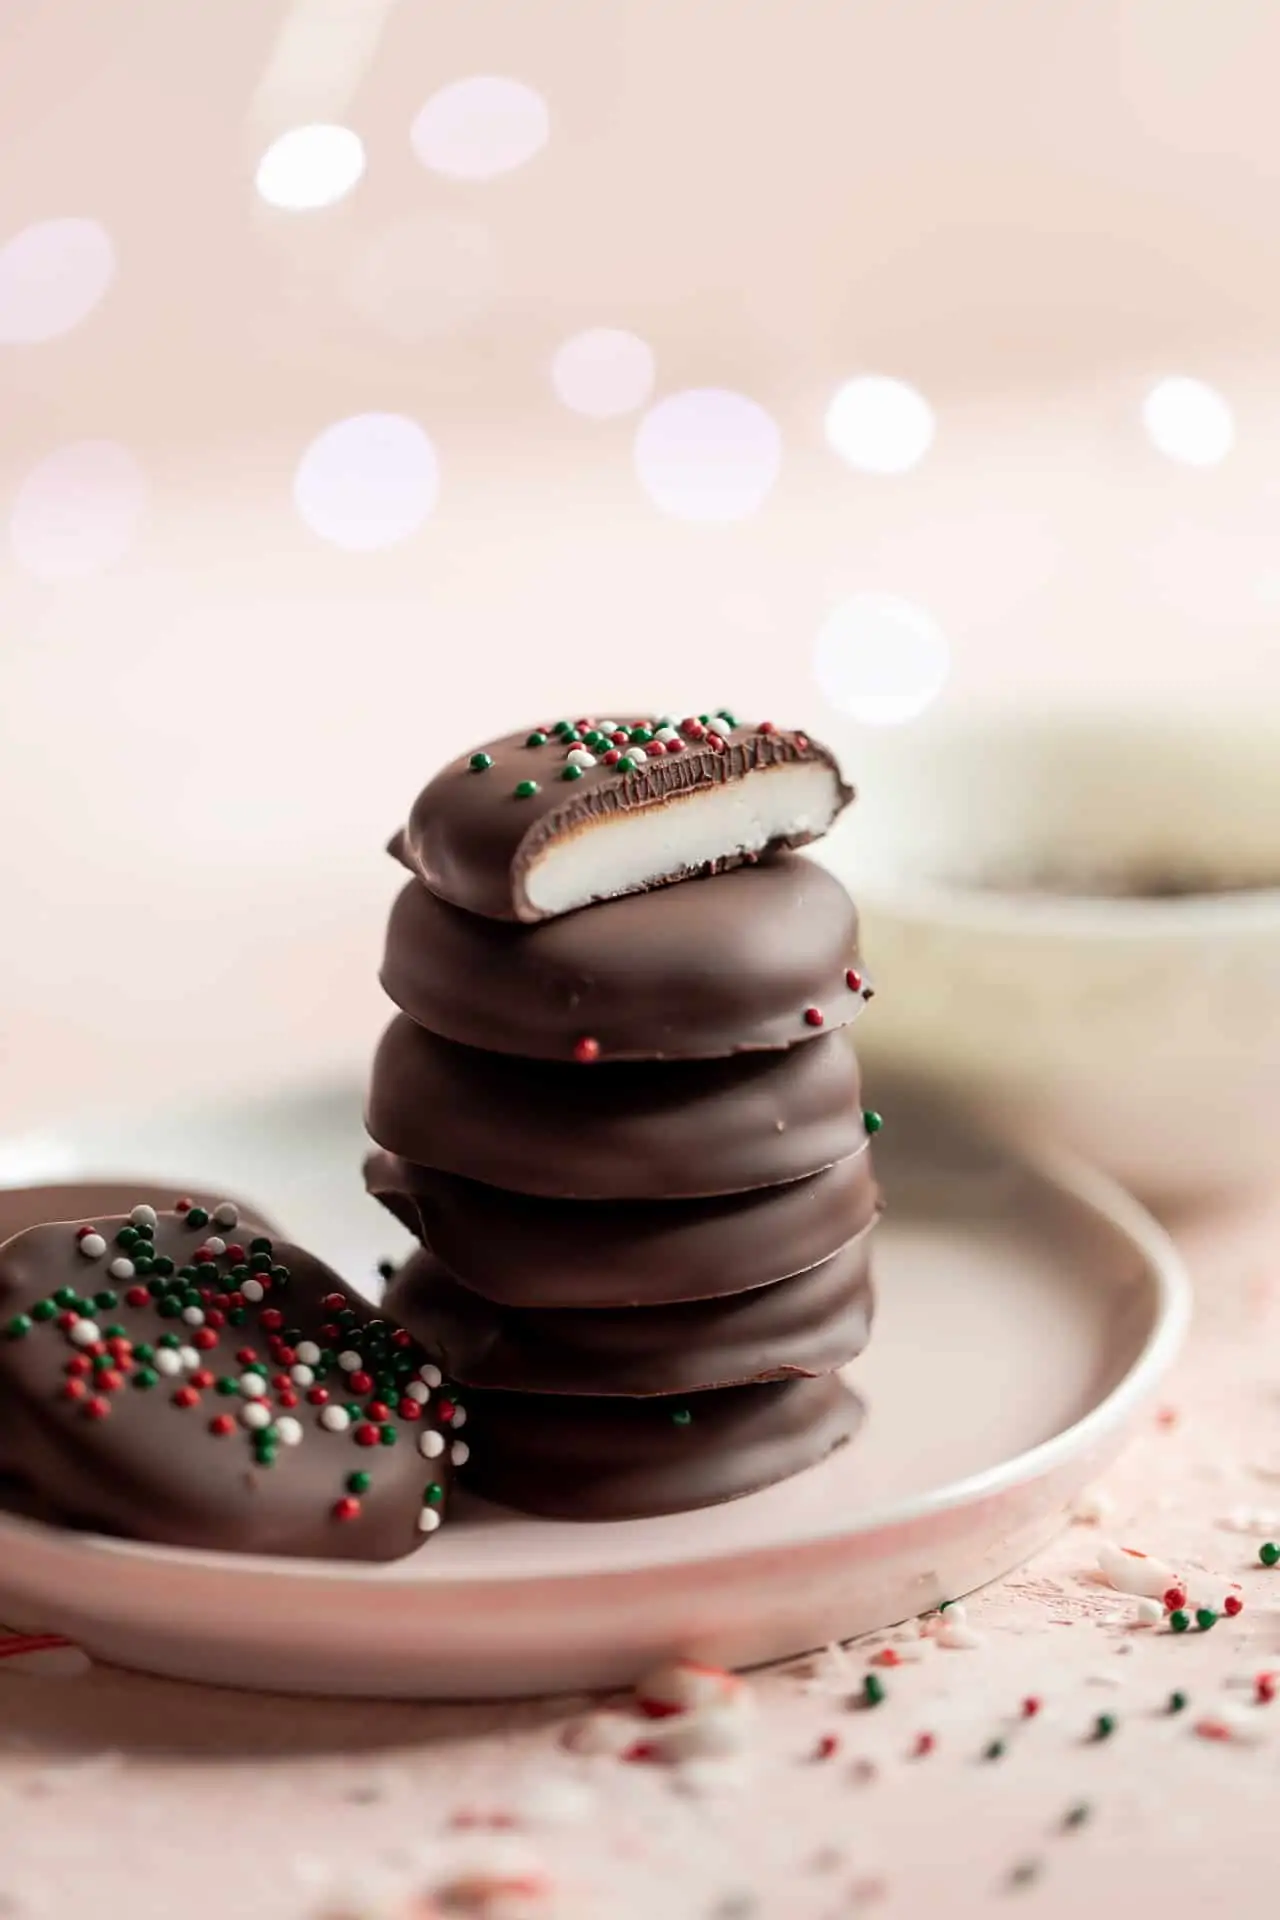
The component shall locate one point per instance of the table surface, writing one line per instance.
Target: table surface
(120, 1794)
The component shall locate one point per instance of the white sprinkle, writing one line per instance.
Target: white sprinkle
(667, 733)
(431, 1444)
(215, 1246)
(428, 1520)
(1135, 1573)
(416, 1391)
(459, 1453)
(635, 759)
(168, 1361)
(1092, 1509)
(459, 1416)
(957, 1613)
(144, 1217)
(336, 1419)
(579, 757)
(85, 1333)
(252, 1385)
(93, 1246)
(190, 1358)
(226, 1214)
(193, 1316)
(711, 1731)
(122, 1269)
(605, 1733)
(254, 1414)
(302, 1376)
(957, 1636)
(349, 1360)
(432, 1375)
(308, 1352)
(1147, 1613)
(253, 1291)
(289, 1430)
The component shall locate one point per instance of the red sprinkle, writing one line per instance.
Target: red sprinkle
(184, 1205)
(317, 1395)
(611, 758)
(360, 1381)
(272, 1319)
(619, 738)
(331, 1331)
(445, 1411)
(334, 1302)
(286, 1397)
(675, 746)
(67, 1320)
(236, 1254)
(204, 1338)
(1031, 1706)
(814, 1017)
(73, 1389)
(202, 1378)
(366, 1436)
(886, 1657)
(925, 1744)
(1233, 1605)
(409, 1410)
(655, 749)
(222, 1424)
(1174, 1600)
(96, 1409)
(82, 1233)
(136, 1297)
(766, 726)
(78, 1364)
(828, 1746)
(586, 1050)
(215, 1318)
(802, 741)
(186, 1397)
(1264, 1688)
(1167, 1417)
(402, 1339)
(853, 980)
(718, 742)
(376, 1410)
(348, 1508)
(281, 1382)
(109, 1380)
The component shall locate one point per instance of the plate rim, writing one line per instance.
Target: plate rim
(1098, 1192)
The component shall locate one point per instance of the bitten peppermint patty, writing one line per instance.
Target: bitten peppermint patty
(565, 814)
(174, 1377)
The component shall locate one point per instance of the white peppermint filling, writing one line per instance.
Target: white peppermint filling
(625, 851)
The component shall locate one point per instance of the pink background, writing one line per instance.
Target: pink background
(211, 716)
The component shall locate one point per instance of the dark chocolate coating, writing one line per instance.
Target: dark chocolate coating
(126, 1456)
(723, 965)
(810, 1324)
(22, 1207)
(644, 1131)
(473, 841)
(522, 1251)
(579, 1459)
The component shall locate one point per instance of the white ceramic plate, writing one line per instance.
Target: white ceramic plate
(1027, 1313)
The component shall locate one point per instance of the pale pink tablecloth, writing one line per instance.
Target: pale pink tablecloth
(123, 1795)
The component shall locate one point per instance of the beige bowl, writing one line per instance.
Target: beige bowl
(1078, 920)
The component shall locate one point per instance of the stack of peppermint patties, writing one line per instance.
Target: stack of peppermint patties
(619, 1108)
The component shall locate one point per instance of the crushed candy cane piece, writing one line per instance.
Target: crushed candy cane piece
(600, 1733)
(684, 1686)
(1129, 1571)
(1147, 1612)
(1093, 1508)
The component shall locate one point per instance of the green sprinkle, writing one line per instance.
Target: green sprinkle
(227, 1386)
(571, 773)
(1077, 1816)
(43, 1310)
(281, 1275)
(115, 1332)
(144, 1377)
(388, 1435)
(1104, 1726)
(19, 1327)
(359, 1482)
(525, 789)
(101, 1362)
(260, 1244)
(563, 726)
(682, 1417)
(65, 1298)
(146, 1233)
(355, 1409)
(1268, 1552)
(481, 762)
(188, 1273)
(1178, 1702)
(143, 1263)
(1206, 1618)
(169, 1340)
(433, 1496)
(106, 1299)
(872, 1690)
(995, 1751)
(639, 736)
(156, 1288)
(127, 1237)
(536, 739)
(197, 1217)
(727, 717)
(144, 1351)
(872, 1121)
(169, 1308)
